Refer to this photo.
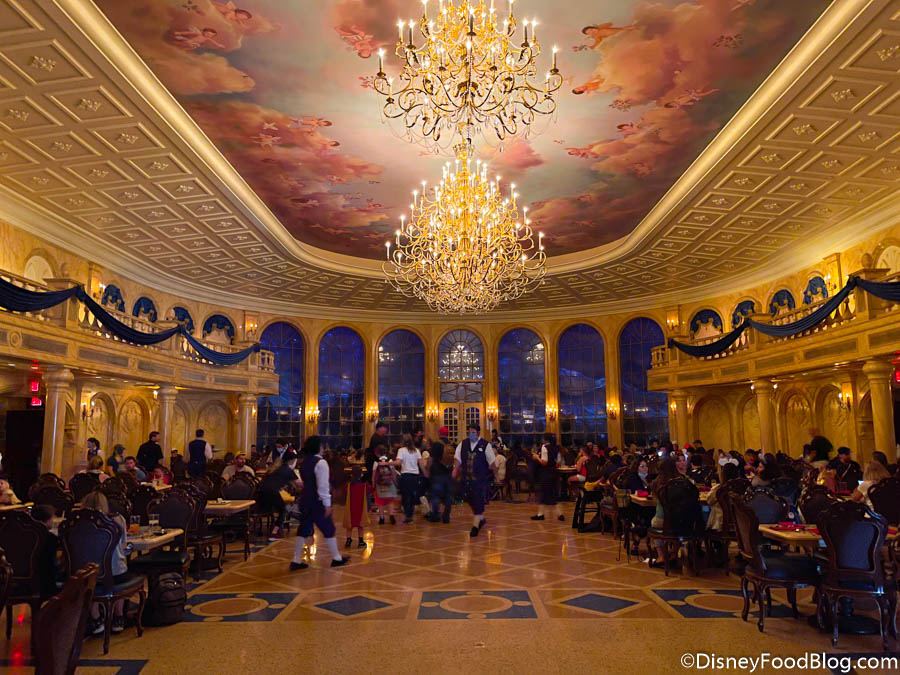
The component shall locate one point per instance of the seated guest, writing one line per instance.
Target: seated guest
(50, 562)
(95, 467)
(97, 500)
(613, 465)
(751, 461)
(638, 475)
(239, 464)
(875, 472)
(681, 464)
(150, 453)
(177, 465)
(697, 472)
(728, 471)
(580, 466)
(845, 469)
(269, 493)
(819, 449)
(765, 472)
(160, 474)
(667, 471)
(130, 466)
(116, 459)
(7, 496)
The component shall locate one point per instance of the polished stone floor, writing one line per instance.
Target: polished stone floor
(420, 598)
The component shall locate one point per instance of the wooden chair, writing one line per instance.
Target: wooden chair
(113, 485)
(609, 505)
(119, 503)
(885, 498)
(201, 539)
(237, 525)
(787, 571)
(813, 500)
(854, 536)
(726, 495)
(26, 543)
(768, 507)
(786, 487)
(129, 480)
(216, 481)
(51, 495)
(82, 484)
(89, 536)
(203, 484)
(682, 519)
(43, 480)
(176, 510)
(62, 624)
(140, 500)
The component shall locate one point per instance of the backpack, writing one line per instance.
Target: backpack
(165, 601)
(385, 476)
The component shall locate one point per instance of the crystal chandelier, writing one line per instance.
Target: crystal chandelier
(464, 249)
(469, 76)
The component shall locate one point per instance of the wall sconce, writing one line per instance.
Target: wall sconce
(432, 413)
(845, 400)
(86, 411)
(612, 411)
(254, 411)
(672, 320)
(312, 415)
(372, 413)
(155, 394)
(673, 406)
(491, 412)
(552, 411)
(251, 325)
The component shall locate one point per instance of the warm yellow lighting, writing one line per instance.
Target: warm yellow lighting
(469, 76)
(312, 414)
(465, 250)
(491, 412)
(433, 412)
(372, 413)
(612, 411)
(845, 397)
(552, 411)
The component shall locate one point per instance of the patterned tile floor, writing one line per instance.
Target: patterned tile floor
(523, 595)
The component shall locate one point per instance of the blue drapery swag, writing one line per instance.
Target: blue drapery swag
(881, 289)
(16, 299)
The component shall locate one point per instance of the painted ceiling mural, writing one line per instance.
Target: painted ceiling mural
(284, 90)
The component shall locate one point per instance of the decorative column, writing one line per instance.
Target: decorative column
(165, 398)
(614, 411)
(246, 435)
(879, 374)
(680, 399)
(765, 404)
(551, 389)
(58, 381)
(371, 388)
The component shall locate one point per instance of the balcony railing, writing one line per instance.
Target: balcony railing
(74, 314)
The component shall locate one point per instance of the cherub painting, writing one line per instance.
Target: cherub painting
(196, 38)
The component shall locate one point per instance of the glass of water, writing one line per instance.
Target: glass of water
(154, 523)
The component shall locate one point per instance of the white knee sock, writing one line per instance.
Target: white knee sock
(331, 543)
(299, 544)
(476, 520)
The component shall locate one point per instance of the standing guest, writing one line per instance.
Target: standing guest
(845, 469)
(385, 485)
(268, 495)
(378, 438)
(93, 447)
(409, 460)
(97, 500)
(238, 466)
(472, 465)
(199, 452)
(116, 459)
(177, 465)
(356, 515)
(315, 502)
(444, 436)
(95, 467)
(441, 484)
(150, 453)
(275, 456)
(130, 467)
(874, 473)
(820, 447)
(548, 478)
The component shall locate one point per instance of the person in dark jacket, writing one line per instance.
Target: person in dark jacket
(199, 452)
(268, 495)
(150, 454)
(441, 484)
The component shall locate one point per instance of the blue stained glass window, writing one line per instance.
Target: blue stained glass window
(281, 416)
(582, 386)
(521, 401)
(341, 388)
(645, 414)
(401, 383)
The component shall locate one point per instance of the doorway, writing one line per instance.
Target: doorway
(458, 416)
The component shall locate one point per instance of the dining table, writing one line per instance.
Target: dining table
(16, 507)
(228, 507)
(146, 540)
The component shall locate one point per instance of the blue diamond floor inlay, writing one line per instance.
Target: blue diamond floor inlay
(595, 602)
(682, 599)
(352, 606)
(497, 605)
(255, 606)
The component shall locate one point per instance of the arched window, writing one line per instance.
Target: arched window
(582, 386)
(342, 392)
(461, 367)
(521, 400)
(219, 328)
(281, 416)
(401, 383)
(645, 414)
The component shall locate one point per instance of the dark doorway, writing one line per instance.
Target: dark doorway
(24, 437)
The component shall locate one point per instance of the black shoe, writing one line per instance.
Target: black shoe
(445, 519)
(537, 517)
(473, 532)
(381, 521)
(393, 520)
(298, 566)
(362, 543)
(349, 542)
(340, 563)
(561, 518)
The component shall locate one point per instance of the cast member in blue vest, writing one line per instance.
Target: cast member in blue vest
(199, 451)
(473, 462)
(315, 505)
(548, 479)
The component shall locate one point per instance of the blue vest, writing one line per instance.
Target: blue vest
(197, 452)
(309, 496)
(480, 469)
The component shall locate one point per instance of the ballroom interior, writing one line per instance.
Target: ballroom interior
(710, 220)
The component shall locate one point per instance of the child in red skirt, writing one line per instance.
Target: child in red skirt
(356, 514)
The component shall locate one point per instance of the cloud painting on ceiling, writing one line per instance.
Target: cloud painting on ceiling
(284, 90)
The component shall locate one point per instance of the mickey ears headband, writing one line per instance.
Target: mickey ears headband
(728, 460)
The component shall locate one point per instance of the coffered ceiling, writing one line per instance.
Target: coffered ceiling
(97, 155)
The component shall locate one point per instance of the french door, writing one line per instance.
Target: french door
(458, 416)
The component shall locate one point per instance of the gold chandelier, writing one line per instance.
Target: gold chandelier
(464, 250)
(468, 76)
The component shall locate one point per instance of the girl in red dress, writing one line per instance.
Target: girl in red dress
(356, 513)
